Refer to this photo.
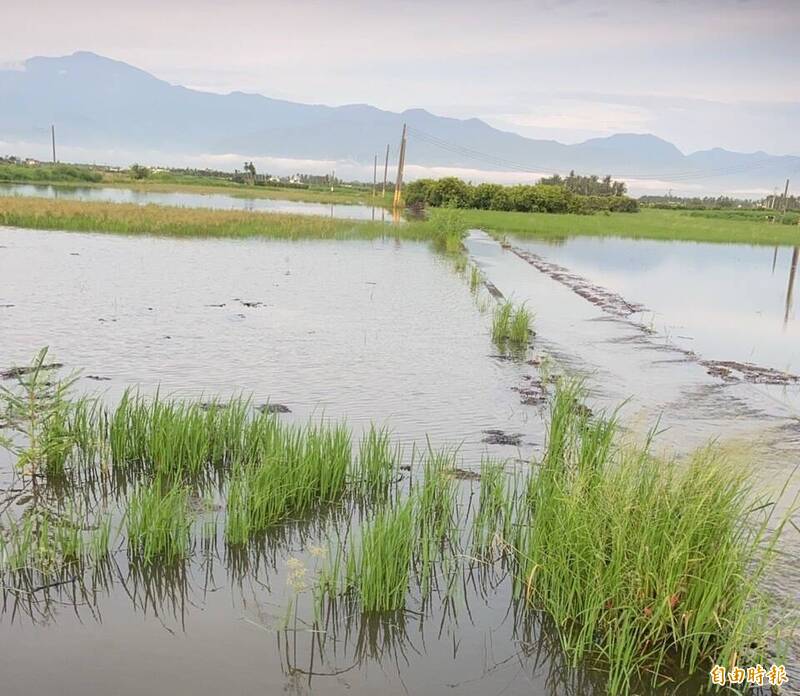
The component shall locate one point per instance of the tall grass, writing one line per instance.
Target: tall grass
(169, 221)
(637, 559)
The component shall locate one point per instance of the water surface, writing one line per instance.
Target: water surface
(723, 301)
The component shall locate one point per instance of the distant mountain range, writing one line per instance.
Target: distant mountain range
(101, 103)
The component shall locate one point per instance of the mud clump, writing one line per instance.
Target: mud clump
(606, 300)
(15, 372)
(499, 437)
(274, 408)
(733, 371)
(465, 474)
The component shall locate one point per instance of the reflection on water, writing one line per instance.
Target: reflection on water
(217, 201)
(790, 286)
(724, 302)
(230, 617)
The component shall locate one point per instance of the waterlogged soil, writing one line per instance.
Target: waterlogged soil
(215, 201)
(367, 331)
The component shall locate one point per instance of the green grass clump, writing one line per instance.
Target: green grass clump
(637, 559)
(511, 324)
(376, 467)
(47, 173)
(286, 471)
(379, 568)
(158, 523)
(493, 520)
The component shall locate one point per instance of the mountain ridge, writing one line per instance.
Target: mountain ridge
(100, 102)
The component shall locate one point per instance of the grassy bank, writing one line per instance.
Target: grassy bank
(84, 176)
(132, 219)
(315, 194)
(666, 225)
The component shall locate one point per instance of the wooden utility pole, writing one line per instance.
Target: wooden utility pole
(374, 175)
(398, 188)
(385, 172)
(790, 289)
(53, 140)
(785, 200)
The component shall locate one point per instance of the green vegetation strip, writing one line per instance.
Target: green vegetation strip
(131, 219)
(664, 225)
(84, 176)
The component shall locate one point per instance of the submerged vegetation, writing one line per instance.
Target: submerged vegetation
(642, 565)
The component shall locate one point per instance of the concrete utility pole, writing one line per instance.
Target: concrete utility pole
(53, 140)
(398, 188)
(374, 175)
(785, 200)
(385, 172)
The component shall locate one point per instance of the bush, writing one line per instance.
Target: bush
(452, 192)
(137, 171)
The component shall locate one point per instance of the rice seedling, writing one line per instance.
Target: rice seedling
(475, 278)
(519, 330)
(491, 521)
(511, 324)
(158, 523)
(501, 322)
(379, 568)
(376, 467)
(437, 532)
(286, 471)
(636, 559)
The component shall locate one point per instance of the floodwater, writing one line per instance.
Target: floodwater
(723, 301)
(215, 201)
(643, 366)
(376, 330)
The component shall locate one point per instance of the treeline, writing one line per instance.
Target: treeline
(696, 202)
(591, 185)
(526, 198)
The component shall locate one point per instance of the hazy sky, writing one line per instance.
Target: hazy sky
(700, 73)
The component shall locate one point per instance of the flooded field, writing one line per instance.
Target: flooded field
(215, 201)
(731, 302)
(368, 332)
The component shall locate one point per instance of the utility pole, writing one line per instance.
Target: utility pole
(374, 175)
(785, 200)
(790, 289)
(398, 188)
(53, 140)
(385, 172)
